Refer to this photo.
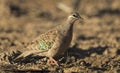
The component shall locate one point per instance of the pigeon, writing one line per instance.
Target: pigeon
(54, 42)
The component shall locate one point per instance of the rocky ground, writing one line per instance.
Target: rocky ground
(96, 41)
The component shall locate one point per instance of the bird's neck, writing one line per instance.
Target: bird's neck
(69, 24)
(69, 27)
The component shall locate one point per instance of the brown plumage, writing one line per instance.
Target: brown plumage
(53, 42)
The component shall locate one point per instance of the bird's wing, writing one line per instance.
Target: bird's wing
(55, 48)
(51, 52)
(40, 45)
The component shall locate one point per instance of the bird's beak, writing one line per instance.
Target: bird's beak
(81, 18)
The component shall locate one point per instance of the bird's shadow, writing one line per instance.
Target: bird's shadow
(79, 53)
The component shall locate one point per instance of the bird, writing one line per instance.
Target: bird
(53, 42)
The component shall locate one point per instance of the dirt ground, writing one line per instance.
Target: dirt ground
(96, 41)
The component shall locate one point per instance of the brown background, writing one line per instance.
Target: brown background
(95, 47)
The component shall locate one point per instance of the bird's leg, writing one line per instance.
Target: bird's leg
(52, 61)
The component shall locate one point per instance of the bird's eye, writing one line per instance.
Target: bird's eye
(75, 15)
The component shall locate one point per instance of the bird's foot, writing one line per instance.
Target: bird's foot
(52, 61)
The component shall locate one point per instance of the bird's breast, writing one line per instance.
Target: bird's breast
(66, 38)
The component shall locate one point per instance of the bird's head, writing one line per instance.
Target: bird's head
(73, 17)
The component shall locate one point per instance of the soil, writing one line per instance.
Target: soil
(96, 40)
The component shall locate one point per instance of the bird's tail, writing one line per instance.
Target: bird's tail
(28, 53)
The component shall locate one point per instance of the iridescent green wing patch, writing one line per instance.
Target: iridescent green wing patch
(44, 45)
